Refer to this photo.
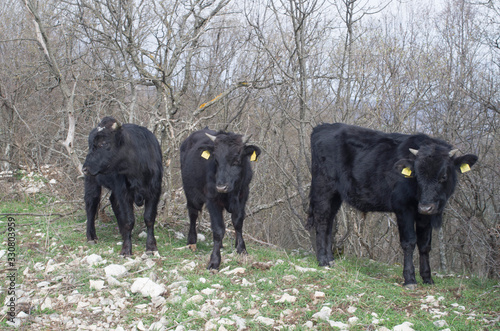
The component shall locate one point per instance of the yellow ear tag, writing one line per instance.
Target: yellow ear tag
(464, 167)
(407, 172)
(205, 155)
(253, 157)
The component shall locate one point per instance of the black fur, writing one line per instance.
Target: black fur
(364, 168)
(220, 180)
(127, 160)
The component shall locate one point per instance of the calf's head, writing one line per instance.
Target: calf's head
(231, 154)
(102, 147)
(435, 169)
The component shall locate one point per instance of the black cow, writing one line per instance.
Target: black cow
(216, 170)
(410, 175)
(127, 160)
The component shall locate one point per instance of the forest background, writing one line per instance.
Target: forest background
(271, 69)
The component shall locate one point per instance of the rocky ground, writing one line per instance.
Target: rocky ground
(76, 289)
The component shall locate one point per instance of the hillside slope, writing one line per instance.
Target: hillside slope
(63, 283)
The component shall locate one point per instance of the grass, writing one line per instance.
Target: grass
(353, 287)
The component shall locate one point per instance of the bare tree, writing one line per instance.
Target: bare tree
(67, 91)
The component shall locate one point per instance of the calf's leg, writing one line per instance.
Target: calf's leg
(150, 210)
(408, 241)
(218, 230)
(424, 237)
(237, 217)
(193, 217)
(324, 212)
(92, 197)
(124, 212)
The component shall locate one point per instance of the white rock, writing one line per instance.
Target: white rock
(82, 304)
(339, 325)
(39, 266)
(351, 310)
(235, 271)
(189, 266)
(286, 298)
(141, 306)
(353, 320)
(440, 323)
(43, 284)
(141, 326)
(16, 324)
(47, 304)
(179, 235)
(112, 281)
(240, 322)
(178, 284)
(143, 235)
(158, 301)
(157, 326)
(115, 270)
(265, 320)
(73, 298)
(147, 287)
(22, 314)
(323, 314)
(196, 299)
(406, 326)
(289, 278)
(319, 295)
(97, 284)
(302, 269)
(246, 283)
(226, 321)
(201, 237)
(308, 325)
(210, 325)
(208, 291)
(93, 259)
(456, 305)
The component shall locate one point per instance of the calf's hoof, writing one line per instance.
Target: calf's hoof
(213, 265)
(126, 252)
(325, 263)
(410, 287)
(92, 242)
(152, 253)
(151, 248)
(192, 247)
(242, 252)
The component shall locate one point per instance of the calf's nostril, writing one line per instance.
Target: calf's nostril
(222, 188)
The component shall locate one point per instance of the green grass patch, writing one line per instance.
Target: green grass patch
(361, 293)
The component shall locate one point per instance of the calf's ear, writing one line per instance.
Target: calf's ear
(465, 162)
(205, 151)
(252, 151)
(405, 168)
